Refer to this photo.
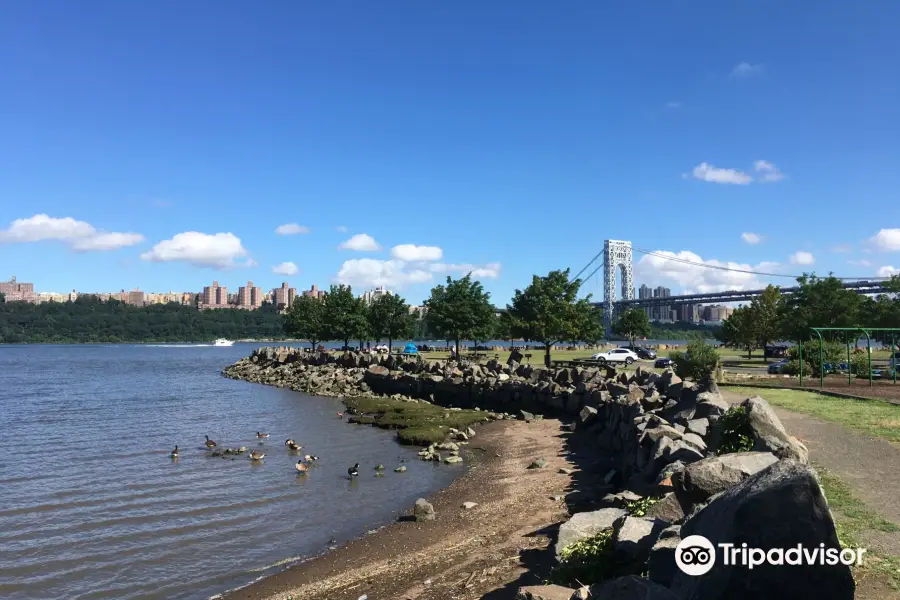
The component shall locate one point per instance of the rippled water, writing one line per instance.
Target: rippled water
(91, 505)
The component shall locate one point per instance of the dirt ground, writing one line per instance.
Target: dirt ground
(484, 552)
(884, 389)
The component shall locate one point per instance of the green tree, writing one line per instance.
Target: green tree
(459, 310)
(766, 316)
(344, 315)
(631, 324)
(697, 362)
(389, 317)
(549, 311)
(739, 330)
(305, 319)
(819, 302)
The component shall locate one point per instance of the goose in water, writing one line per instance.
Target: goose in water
(302, 467)
(340, 415)
(257, 455)
(291, 444)
(353, 471)
(174, 453)
(310, 458)
(261, 436)
(210, 443)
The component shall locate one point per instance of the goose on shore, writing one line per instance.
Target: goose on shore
(261, 436)
(174, 453)
(210, 443)
(302, 467)
(257, 455)
(353, 471)
(291, 444)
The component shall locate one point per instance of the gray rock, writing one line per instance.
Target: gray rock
(789, 492)
(669, 509)
(769, 434)
(698, 426)
(400, 469)
(539, 463)
(582, 593)
(710, 405)
(694, 440)
(633, 537)
(660, 431)
(668, 471)
(631, 588)
(587, 415)
(703, 479)
(423, 510)
(469, 505)
(565, 471)
(453, 459)
(661, 566)
(620, 500)
(586, 524)
(526, 416)
(470, 432)
(544, 592)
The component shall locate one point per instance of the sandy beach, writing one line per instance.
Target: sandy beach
(462, 554)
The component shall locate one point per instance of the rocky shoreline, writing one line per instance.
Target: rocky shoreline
(677, 461)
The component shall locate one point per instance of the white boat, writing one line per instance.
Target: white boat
(222, 342)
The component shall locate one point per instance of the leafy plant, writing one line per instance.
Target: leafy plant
(697, 362)
(631, 324)
(639, 508)
(460, 310)
(737, 435)
(859, 365)
(591, 560)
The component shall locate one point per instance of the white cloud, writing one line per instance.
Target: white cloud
(79, 235)
(656, 269)
(886, 240)
(842, 248)
(768, 172)
(888, 271)
(802, 258)
(341, 229)
(860, 263)
(219, 250)
(751, 238)
(291, 229)
(745, 69)
(706, 172)
(361, 242)
(369, 272)
(411, 252)
(488, 271)
(286, 268)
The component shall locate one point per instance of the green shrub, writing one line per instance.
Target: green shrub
(592, 560)
(793, 368)
(697, 362)
(737, 436)
(832, 353)
(639, 508)
(859, 364)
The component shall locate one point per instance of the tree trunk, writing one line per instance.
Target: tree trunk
(547, 355)
(313, 343)
(390, 344)
(346, 343)
(457, 349)
(749, 353)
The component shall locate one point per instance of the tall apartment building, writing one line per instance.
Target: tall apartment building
(645, 292)
(284, 296)
(371, 296)
(661, 313)
(250, 296)
(314, 292)
(690, 313)
(716, 312)
(16, 291)
(214, 296)
(135, 297)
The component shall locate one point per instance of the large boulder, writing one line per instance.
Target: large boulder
(423, 510)
(669, 509)
(706, 478)
(633, 537)
(710, 405)
(661, 565)
(586, 524)
(587, 414)
(631, 587)
(779, 507)
(769, 434)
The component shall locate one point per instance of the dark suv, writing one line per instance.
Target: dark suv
(644, 353)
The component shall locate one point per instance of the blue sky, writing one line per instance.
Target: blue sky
(166, 142)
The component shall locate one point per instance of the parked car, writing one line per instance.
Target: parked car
(662, 363)
(645, 353)
(776, 368)
(622, 355)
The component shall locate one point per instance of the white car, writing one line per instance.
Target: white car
(621, 355)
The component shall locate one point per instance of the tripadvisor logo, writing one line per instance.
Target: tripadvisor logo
(695, 555)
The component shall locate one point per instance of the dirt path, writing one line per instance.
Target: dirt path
(462, 554)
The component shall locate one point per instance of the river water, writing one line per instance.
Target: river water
(92, 507)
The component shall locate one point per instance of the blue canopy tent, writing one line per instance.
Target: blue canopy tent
(410, 349)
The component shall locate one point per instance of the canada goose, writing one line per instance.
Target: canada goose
(353, 471)
(257, 455)
(302, 467)
(261, 436)
(310, 458)
(292, 445)
(210, 443)
(174, 453)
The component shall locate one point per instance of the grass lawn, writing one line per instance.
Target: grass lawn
(417, 423)
(871, 417)
(852, 517)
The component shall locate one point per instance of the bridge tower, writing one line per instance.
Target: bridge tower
(616, 253)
